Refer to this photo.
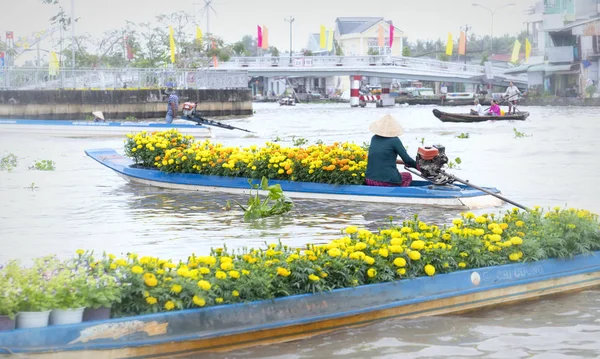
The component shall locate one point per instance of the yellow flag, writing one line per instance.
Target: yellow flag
(515, 53)
(53, 64)
(323, 38)
(527, 49)
(330, 40)
(265, 37)
(172, 43)
(198, 35)
(449, 45)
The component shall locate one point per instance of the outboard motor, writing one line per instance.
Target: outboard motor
(430, 160)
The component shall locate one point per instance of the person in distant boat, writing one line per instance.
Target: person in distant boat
(512, 96)
(383, 155)
(494, 109)
(98, 116)
(479, 108)
(172, 105)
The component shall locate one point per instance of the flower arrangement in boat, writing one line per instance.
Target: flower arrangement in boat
(170, 151)
(398, 251)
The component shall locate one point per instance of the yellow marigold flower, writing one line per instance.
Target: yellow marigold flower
(220, 275)
(372, 272)
(497, 230)
(457, 222)
(514, 256)
(314, 278)
(226, 266)
(151, 281)
(462, 264)
(137, 269)
(235, 293)
(519, 223)
(446, 236)
(516, 241)
(283, 272)
(204, 285)
(334, 252)
(401, 271)
(396, 249)
(383, 252)
(414, 255)
(199, 301)
(369, 260)
(204, 270)
(417, 245)
(429, 270)
(113, 266)
(503, 226)
(463, 254)
(234, 274)
(480, 220)
(245, 272)
(323, 275)
(400, 262)
(396, 241)
(176, 288)
(406, 230)
(169, 305)
(219, 300)
(151, 300)
(80, 252)
(360, 246)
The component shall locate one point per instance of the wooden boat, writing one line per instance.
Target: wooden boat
(469, 117)
(221, 328)
(97, 129)
(420, 192)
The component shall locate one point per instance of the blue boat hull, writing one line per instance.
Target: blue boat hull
(228, 327)
(420, 192)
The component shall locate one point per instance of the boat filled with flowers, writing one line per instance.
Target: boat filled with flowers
(233, 299)
(171, 160)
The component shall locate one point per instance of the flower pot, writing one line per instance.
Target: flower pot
(66, 316)
(6, 323)
(32, 319)
(92, 314)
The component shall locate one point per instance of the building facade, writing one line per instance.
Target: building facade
(359, 36)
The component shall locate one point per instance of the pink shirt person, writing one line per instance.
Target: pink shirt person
(495, 109)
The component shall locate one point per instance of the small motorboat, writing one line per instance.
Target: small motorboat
(287, 101)
(474, 117)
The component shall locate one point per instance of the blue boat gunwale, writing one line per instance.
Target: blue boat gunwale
(109, 157)
(579, 264)
(83, 123)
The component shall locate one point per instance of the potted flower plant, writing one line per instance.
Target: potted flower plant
(36, 297)
(9, 295)
(70, 290)
(104, 291)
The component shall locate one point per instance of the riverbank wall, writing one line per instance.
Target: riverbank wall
(560, 101)
(119, 104)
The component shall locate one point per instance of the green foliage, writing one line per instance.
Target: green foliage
(299, 142)
(8, 162)
(590, 90)
(43, 165)
(130, 118)
(463, 135)
(443, 57)
(274, 204)
(520, 134)
(89, 117)
(373, 51)
(406, 51)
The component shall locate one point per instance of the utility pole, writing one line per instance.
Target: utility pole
(73, 34)
(466, 30)
(291, 21)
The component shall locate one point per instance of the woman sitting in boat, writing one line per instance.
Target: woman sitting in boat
(494, 109)
(478, 108)
(383, 153)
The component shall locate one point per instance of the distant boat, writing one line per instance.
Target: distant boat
(97, 129)
(287, 101)
(471, 117)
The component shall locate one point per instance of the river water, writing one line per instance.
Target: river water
(84, 205)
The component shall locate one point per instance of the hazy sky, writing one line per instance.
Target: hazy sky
(417, 18)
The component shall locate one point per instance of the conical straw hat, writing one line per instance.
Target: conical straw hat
(98, 114)
(387, 126)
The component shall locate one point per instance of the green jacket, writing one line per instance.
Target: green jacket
(383, 152)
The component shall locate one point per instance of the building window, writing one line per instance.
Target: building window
(373, 46)
(549, 4)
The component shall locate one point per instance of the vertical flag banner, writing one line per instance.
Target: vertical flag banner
(128, 48)
(323, 38)
(172, 44)
(527, 49)
(391, 35)
(449, 45)
(198, 35)
(265, 37)
(380, 37)
(330, 40)
(1, 58)
(462, 43)
(215, 61)
(53, 64)
(259, 37)
(515, 53)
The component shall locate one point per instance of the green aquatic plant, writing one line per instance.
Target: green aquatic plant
(275, 203)
(298, 142)
(130, 118)
(520, 134)
(43, 165)
(454, 164)
(463, 135)
(8, 162)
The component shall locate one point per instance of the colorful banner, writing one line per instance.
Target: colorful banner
(323, 38)
(330, 40)
(265, 37)
(259, 37)
(9, 35)
(172, 44)
(391, 35)
(198, 36)
(380, 37)
(527, 49)
(128, 48)
(2, 59)
(449, 45)
(515, 53)
(462, 43)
